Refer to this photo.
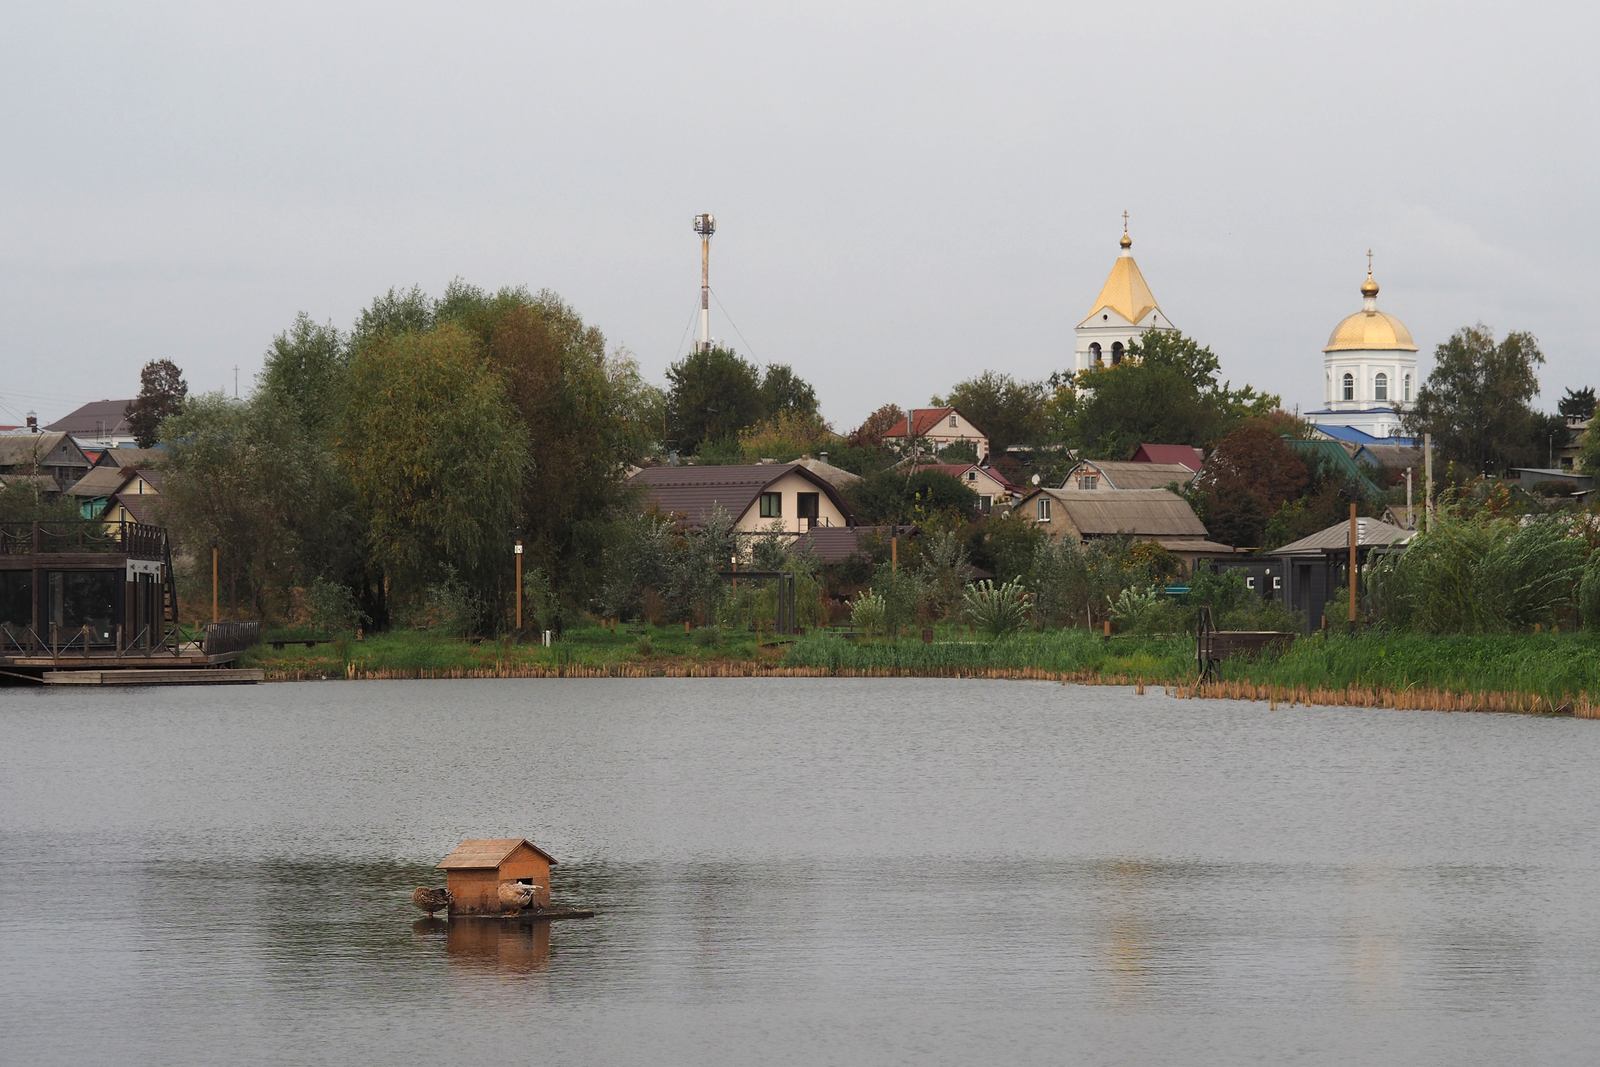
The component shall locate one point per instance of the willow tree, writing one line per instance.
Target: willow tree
(436, 454)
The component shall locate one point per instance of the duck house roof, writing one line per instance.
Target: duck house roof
(479, 853)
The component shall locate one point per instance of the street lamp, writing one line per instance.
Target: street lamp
(517, 554)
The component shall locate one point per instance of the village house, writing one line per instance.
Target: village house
(98, 424)
(1157, 515)
(938, 428)
(990, 486)
(52, 454)
(1314, 567)
(781, 498)
(137, 498)
(1106, 474)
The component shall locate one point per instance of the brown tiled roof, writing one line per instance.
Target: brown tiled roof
(835, 544)
(96, 419)
(479, 853)
(924, 419)
(694, 492)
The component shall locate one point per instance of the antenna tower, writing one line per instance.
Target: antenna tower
(705, 225)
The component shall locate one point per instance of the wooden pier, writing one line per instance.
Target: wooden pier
(151, 676)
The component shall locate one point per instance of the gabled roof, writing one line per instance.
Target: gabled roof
(41, 482)
(144, 458)
(481, 853)
(1188, 455)
(98, 418)
(100, 481)
(25, 449)
(1146, 513)
(1389, 457)
(1351, 435)
(828, 472)
(1126, 474)
(143, 508)
(959, 472)
(925, 420)
(1331, 455)
(1369, 532)
(693, 492)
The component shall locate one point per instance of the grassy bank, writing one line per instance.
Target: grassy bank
(1543, 673)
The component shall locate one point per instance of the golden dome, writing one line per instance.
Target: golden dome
(1370, 331)
(1370, 286)
(1126, 242)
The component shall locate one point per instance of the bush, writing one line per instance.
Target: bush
(449, 607)
(1589, 593)
(706, 637)
(870, 614)
(1144, 611)
(997, 610)
(333, 608)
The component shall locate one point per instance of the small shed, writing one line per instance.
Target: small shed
(474, 871)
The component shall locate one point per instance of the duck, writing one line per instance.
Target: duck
(431, 900)
(517, 895)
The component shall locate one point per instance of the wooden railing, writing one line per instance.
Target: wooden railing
(230, 636)
(136, 539)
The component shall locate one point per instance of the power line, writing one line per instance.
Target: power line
(747, 346)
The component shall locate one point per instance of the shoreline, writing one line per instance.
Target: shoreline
(1408, 698)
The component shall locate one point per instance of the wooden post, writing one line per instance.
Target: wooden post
(215, 552)
(1354, 537)
(517, 552)
(894, 553)
(1427, 482)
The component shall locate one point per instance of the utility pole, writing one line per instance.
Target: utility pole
(1411, 520)
(215, 553)
(1355, 536)
(705, 224)
(1427, 482)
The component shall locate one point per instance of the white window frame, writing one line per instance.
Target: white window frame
(1042, 509)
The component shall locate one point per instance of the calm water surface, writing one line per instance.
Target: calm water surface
(794, 872)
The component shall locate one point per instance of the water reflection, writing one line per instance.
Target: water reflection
(504, 946)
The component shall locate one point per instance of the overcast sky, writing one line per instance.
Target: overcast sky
(907, 193)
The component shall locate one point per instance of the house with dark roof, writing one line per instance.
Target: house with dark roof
(1188, 455)
(783, 498)
(938, 428)
(53, 454)
(1114, 474)
(1315, 566)
(1157, 515)
(98, 424)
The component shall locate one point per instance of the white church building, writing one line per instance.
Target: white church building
(1124, 311)
(1369, 374)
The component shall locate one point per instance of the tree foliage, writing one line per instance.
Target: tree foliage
(896, 496)
(1008, 411)
(1577, 403)
(161, 394)
(712, 394)
(1246, 479)
(1476, 402)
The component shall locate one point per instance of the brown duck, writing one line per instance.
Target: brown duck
(431, 900)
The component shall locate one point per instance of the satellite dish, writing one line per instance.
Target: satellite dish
(1035, 479)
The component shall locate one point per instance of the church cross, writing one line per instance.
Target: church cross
(1124, 222)
(1369, 261)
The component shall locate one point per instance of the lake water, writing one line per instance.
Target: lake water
(794, 872)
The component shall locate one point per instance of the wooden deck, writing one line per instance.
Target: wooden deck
(169, 676)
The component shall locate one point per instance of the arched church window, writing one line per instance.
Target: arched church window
(1116, 353)
(1349, 386)
(1094, 351)
(1380, 387)
(1408, 388)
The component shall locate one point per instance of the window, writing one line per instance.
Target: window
(1349, 386)
(1044, 509)
(1277, 584)
(952, 420)
(1408, 388)
(1094, 350)
(1088, 481)
(972, 476)
(1116, 353)
(772, 505)
(986, 504)
(1380, 387)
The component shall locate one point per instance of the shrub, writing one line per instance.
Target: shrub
(333, 607)
(1137, 610)
(997, 610)
(869, 613)
(706, 637)
(1589, 593)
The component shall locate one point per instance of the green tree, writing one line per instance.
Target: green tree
(304, 370)
(1589, 451)
(161, 394)
(893, 496)
(1476, 401)
(1577, 403)
(712, 394)
(1169, 393)
(1009, 412)
(783, 392)
(1246, 479)
(436, 453)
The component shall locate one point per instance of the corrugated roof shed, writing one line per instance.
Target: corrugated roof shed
(479, 853)
(23, 449)
(1369, 533)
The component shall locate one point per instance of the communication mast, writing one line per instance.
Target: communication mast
(705, 225)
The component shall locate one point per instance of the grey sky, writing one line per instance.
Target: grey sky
(907, 193)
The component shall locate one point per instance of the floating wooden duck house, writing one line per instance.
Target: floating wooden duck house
(478, 867)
